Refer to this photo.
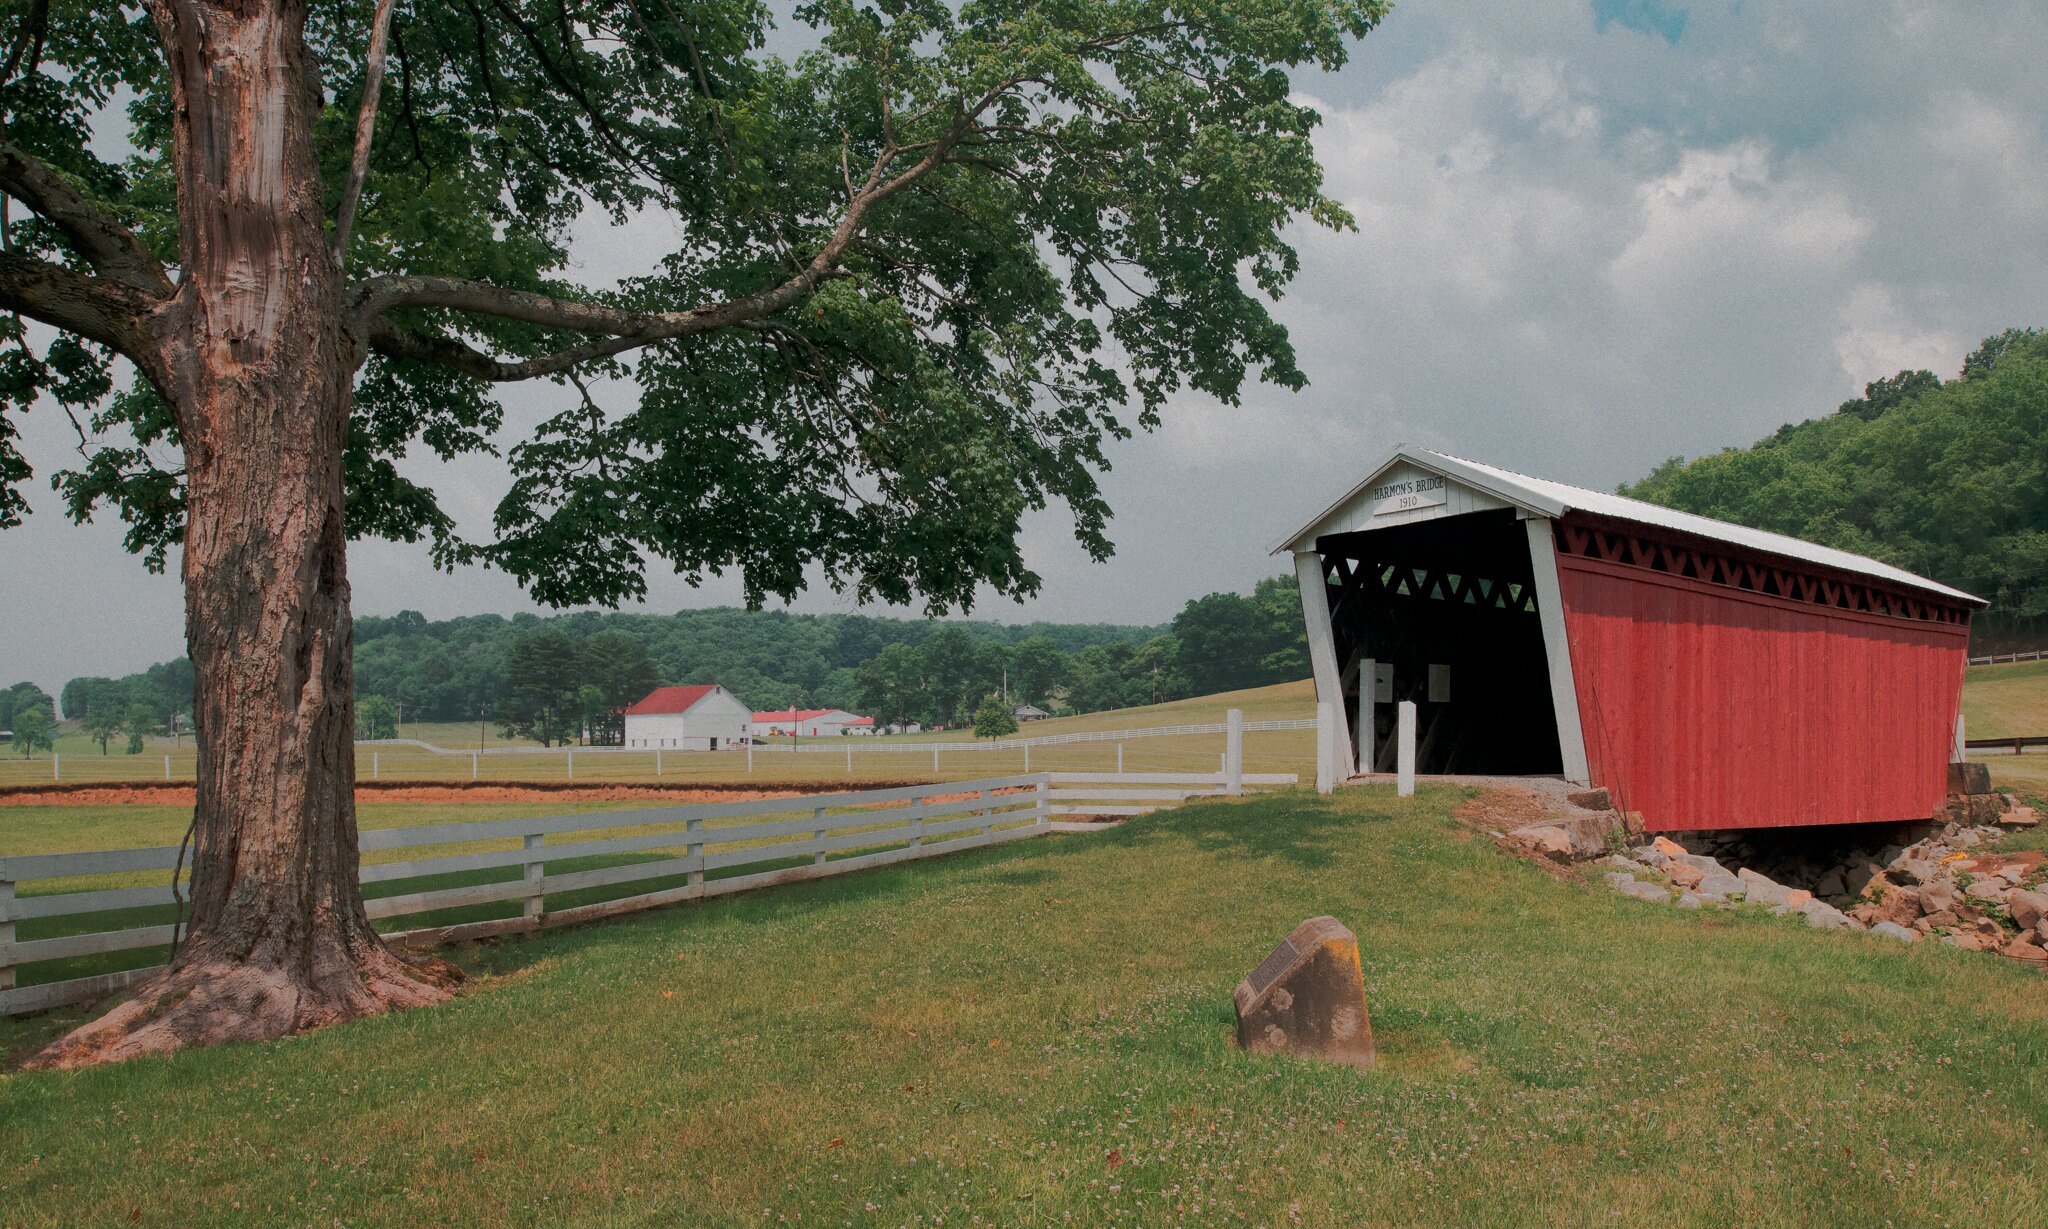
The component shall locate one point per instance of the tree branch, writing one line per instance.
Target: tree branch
(96, 308)
(366, 128)
(107, 245)
(624, 330)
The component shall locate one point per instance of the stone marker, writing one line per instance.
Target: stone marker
(1308, 998)
(1969, 778)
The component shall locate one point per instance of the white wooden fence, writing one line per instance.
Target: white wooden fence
(700, 850)
(697, 848)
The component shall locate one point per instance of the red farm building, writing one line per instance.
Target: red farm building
(1709, 675)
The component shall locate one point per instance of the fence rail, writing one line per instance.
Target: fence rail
(1996, 658)
(2018, 745)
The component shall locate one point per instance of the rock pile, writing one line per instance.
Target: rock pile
(1937, 879)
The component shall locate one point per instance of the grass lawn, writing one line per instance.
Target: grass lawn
(2006, 701)
(1039, 1035)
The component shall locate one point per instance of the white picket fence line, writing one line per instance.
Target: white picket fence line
(865, 828)
(860, 745)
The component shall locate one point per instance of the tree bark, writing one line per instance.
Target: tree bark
(258, 360)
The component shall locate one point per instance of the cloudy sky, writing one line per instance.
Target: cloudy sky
(1590, 237)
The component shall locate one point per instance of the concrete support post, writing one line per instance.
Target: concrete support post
(1326, 740)
(1404, 749)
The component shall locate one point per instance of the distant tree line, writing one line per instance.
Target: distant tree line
(566, 678)
(1945, 478)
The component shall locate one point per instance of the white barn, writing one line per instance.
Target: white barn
(700, 717)
(810, 723)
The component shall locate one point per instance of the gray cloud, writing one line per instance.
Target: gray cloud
(1583, 246)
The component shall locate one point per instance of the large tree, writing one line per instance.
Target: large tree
(914, 276)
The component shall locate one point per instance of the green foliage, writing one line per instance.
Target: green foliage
(618, 670)
(1951, 483)
(164, 689)
(1067, 213)
(1883, 394)
(1228, 641)
(139, 723)
(993, 718)
(22, 696)
(543, 674)
(376, 717)
(102, 722)
(34, 731)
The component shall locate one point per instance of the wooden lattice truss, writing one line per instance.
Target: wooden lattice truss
(1711, 563)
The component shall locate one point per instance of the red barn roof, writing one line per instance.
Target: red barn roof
(672, 699)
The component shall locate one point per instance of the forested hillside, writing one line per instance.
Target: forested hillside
(552, 678)
(1946, 478)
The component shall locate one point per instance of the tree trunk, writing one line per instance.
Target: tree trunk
(259, 367)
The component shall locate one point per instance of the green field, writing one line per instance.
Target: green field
(900, 758)
(1039, 1035)
(2006, 701)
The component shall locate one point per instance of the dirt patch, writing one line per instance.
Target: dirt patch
(1503, 809)
(176, 793)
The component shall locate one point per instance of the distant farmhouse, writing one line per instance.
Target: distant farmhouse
(1028, 712)
(810, 723)
(701, 717)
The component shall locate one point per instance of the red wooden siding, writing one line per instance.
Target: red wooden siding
(1707, 706)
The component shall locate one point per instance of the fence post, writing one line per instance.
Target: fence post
(1119, 759)
(475, 759)
(572, 761)
(1404, 784)
(6, 933)
(987, 820)
(849, 759)
(917, 819)
(167, 768)
(376, 766)
(935, 757)
(1233, 752)
(695, 831)
(1043, 791)
(536, 869)
(56, 767)
(1027, 759)
(818, 833)
(750, 757)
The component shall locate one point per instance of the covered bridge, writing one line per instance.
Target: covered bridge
(1711, 676)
